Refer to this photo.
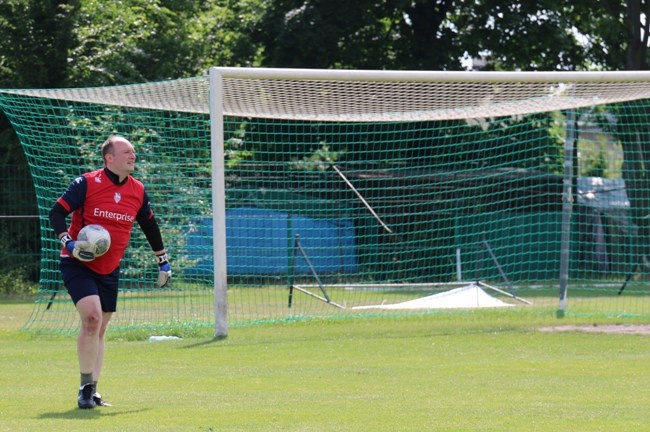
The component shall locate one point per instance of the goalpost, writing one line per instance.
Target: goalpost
(387, 96)
(398, 183)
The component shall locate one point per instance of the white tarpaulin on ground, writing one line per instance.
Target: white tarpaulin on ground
(470, 296)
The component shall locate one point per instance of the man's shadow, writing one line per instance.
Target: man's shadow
(89, 414)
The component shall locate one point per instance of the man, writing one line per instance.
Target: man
(110, 197)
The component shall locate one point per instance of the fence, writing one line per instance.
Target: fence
(20, 240)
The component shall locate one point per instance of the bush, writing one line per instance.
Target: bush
(15, 282)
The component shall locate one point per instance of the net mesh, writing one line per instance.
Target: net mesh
(419, 101)
(358, 191)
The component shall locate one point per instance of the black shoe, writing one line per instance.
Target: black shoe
(99, 401)
(85, 399)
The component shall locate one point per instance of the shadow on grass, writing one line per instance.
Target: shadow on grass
(90, 414)
(207, 342)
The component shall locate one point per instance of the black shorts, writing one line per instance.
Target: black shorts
(81, 282)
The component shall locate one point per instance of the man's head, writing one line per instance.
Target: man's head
(119, 155)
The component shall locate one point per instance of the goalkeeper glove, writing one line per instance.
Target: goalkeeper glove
(165, 270)
(77, 248)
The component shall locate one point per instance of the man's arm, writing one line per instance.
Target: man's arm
(57, 216)
(71, 199)
(151, 231)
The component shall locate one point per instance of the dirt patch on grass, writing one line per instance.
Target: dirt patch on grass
(605, 328)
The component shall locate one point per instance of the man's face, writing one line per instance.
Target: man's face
(122, 159)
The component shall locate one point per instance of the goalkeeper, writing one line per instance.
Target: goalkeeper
(110, 197)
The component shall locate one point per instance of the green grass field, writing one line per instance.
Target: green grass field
(484, 370)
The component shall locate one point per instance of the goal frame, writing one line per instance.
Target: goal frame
(218, 102)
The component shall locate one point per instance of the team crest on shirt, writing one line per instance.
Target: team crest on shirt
(117, 197)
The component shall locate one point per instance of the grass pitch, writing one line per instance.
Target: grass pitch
(484, 370)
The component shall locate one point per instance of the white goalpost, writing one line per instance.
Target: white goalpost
(218, 205)
(406, 96)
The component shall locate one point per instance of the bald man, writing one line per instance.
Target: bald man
(114, 199)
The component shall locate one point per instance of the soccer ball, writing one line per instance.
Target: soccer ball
(98, 237)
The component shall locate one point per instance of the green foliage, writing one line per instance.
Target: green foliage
(19, 245)
(220, 34)
(125, 42)
(631, 130)
(157, 163)
(143, 40)
(436, 35)
(15, 281)
(36, 37)
(611, 33)
(94, 43)
(596, 167)
(362, 35)
(321, 160)
(533, 35)
(315, 146)
(17, 274)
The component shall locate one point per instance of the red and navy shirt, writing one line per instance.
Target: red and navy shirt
(97, 198)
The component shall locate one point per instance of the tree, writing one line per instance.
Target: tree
(220, 35)
(36, 38)
(438, 34)
(364, 34)
(142, 40)
(126, 42)
(64, 43)
(531, 35)
(617, 33)
(423, 34)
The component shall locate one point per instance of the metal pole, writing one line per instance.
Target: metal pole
(218, 205)
(567, 209)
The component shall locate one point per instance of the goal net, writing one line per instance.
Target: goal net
(331, 191)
